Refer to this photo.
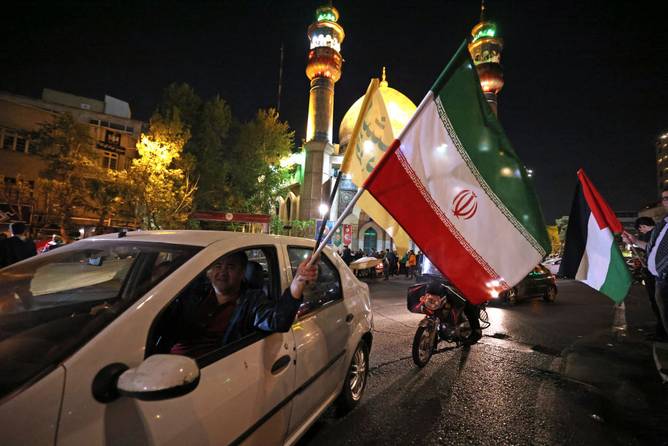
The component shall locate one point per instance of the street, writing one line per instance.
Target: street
(572, 372)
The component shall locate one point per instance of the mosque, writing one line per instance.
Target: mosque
(308, 197)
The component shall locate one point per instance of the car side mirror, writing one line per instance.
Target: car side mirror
(160, 377)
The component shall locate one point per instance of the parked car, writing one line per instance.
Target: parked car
(553, 264)
(540, 282)
(83, 360)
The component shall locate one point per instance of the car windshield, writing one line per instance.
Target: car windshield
(53, 303)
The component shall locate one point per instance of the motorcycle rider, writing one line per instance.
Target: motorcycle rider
(472, 313)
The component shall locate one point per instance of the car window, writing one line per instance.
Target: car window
(326, 288)
(198, 325)
(52, 304)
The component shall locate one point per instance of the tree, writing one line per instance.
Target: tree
(208, 146)
(180, 99)
(71, 158)
(562, 226)
(209, 124)
(161, 177)
(257, 178)
(236, 165)
(107, 193)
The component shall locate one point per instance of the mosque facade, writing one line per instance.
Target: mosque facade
(308, 198)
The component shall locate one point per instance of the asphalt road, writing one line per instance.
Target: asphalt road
(576, 371)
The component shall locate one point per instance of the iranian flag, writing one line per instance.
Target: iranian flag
(591, 254)
(453, 181)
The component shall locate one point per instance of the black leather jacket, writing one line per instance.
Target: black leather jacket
(257, 312)
(254, 311)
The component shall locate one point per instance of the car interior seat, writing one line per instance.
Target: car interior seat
(254, 276)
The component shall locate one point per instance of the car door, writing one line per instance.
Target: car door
(321, 333)
(243, 391)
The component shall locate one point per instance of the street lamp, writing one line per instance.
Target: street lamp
(322, 209)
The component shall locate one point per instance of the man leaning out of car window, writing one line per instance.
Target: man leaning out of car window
(231, 310)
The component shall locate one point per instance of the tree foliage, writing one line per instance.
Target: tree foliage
(72, 160)
(108, 192)
(181, 100)
(162, 188)
(237, 164)
(562, 225)
(259, 178)
(209, 147)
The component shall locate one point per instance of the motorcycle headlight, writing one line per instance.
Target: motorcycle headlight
(432, 302)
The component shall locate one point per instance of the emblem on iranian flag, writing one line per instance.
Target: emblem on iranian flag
(464, 205)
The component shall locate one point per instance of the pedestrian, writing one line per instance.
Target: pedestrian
(402, 264)
(386, 265)
(657, 259)
(347, 255)
(645, 226)
(392, 262)
(17, 247)
(411, 264)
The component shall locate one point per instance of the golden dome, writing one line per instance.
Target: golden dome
(399, 107)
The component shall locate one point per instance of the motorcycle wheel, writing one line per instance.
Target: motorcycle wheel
(423, 346)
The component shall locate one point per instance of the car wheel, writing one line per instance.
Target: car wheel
(356, 379)
(551, 294)
(511, 297)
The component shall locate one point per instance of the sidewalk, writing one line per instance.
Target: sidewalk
(622, 364)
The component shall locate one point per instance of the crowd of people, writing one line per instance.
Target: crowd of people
(17, 243)
(408, 265)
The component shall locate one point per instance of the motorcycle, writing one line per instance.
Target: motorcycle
(443, 307)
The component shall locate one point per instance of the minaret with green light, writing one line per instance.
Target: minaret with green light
(485, 49)
(323, 69)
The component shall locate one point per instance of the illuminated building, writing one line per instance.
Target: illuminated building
(323, 70)
(662, 161)
(112, 130)
(485, 48)
(323, 158)
(366, 233)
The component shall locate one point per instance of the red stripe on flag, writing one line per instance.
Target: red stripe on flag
(399, 195)
(604, 216)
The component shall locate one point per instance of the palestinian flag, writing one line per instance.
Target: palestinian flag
(591, 254)
(454, 183)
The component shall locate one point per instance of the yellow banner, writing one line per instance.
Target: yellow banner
(371, 137)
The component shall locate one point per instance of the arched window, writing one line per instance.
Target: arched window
(370, 238)
(288, 208)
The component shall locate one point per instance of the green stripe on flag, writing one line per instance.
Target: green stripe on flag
(494, 160)
(618, 279)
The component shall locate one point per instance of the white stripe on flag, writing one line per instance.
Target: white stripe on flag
(443, 172)
(597, 251)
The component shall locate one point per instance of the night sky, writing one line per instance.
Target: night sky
(585, 80)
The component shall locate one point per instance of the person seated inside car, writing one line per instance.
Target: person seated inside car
(232, 310)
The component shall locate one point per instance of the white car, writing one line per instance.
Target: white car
(84, 360)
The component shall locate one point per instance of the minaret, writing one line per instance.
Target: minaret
(323, 69)
(485, 49)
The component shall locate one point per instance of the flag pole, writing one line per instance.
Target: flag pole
(338, 222)
(329, 210)
(362, 189)
(319, 242)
